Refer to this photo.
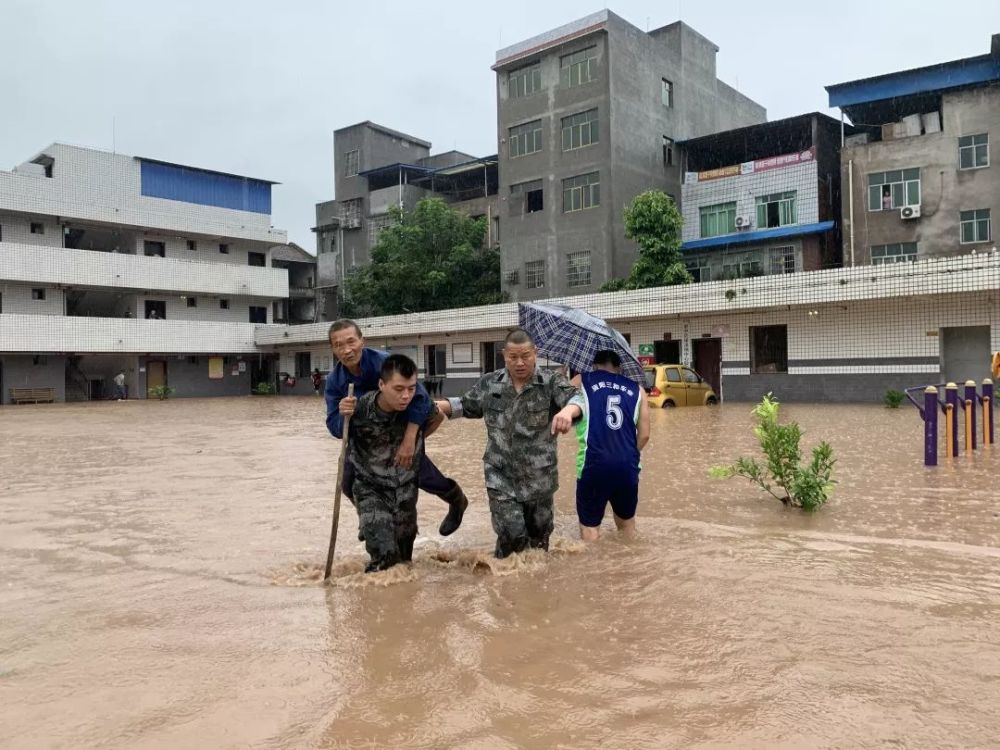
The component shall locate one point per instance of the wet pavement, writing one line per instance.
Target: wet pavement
(159, 566)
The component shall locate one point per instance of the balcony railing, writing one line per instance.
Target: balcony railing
(54, 266)
(57, 333)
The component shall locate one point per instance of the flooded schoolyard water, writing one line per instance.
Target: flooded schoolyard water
(158, 589)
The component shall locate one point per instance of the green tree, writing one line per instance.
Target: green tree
(430, 259)
(653, 221)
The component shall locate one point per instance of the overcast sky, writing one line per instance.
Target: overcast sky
(257, 88)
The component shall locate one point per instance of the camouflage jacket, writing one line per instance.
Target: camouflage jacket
(375, 438)
(520, 458)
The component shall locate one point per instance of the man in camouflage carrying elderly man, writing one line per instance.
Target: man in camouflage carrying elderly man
(524, 409)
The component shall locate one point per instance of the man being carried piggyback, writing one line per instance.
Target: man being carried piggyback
(384, 490)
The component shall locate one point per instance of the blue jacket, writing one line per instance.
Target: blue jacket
(417, 412)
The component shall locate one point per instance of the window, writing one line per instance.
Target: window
(303, 364)
(578, 269)
(743, 268)
(690, 376)
(258, 314)
(668, 151)
(976, 226)
(776, 210)
(192, 245)
(156, 309)
(154, 249)
(698, 268)
(718, 219)
(582, 192)
(899, 252)
(351, 163)
(224, 248)
(258, 260)
(350, 213)
(534, 274)
(37, 227)
(526, 198)
(223, 304)
(579, 130)
(525, 139)
(38, 294)
(666, 92)
(578, 68)
(768, 349)
(192, 301)
(672, 375)
(524, 81)
(896, 189)
(783, 259)
(376, 225)
(974, 151)
(436, 360)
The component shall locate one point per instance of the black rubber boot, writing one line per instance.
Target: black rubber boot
(457, 502)
(382, 563)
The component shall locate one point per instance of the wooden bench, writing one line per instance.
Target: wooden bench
(33, 395)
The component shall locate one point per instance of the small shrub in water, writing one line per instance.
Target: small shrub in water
(783, 476)
(161, 392)
(264, 388)
(893, 399)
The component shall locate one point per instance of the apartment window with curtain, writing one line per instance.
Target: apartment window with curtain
(578, 269)
(578, 68)
(776, 210)
(581, 192)
(894, 189)
(525, 139)
(579, 130)
(718, 219)
(524, 81)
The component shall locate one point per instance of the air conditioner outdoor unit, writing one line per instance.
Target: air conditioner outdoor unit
(743, 222)
(512, 277)
(909, 212)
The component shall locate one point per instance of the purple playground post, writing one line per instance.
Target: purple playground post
(951, 399)
(988, 434)
(930, 426)
(972, 398)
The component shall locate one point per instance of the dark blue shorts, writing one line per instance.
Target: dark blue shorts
(598, 487)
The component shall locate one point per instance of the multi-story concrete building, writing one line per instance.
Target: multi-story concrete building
(112, 263)
(300, 307)
(377, 169)
(589, 115)
(763, 199)
(920, 181)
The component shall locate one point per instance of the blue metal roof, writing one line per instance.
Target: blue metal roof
(969, 71)
(764, 235)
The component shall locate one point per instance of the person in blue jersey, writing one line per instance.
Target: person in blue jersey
(362, 366)
(612, 432)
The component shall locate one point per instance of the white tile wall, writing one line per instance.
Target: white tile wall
(206, 309)
(99, 186)
(744, 189)
(90, 268)
(16, 298)
(17, 228)
(41, 333)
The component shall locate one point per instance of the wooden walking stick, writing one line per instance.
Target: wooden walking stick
(345, 440)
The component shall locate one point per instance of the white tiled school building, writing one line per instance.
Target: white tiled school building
(843, 334)
(115, 263)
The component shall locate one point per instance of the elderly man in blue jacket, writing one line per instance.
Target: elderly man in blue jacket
(360, 365)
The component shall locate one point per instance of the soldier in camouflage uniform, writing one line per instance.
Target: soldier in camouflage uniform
(385, 492)
(524, 408)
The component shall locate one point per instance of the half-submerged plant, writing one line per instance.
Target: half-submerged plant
(893, 398)
(783, 476)
(161, 392)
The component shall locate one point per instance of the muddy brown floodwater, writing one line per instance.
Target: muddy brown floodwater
(158, 589)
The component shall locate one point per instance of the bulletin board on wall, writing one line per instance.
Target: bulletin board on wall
(216, 368)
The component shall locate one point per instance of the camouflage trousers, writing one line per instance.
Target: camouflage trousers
(520, 523)
(388, 520)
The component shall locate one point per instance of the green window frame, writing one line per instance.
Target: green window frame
(581, 192)
(893, 189)
(578, 68)
(718, 219)
(580, 130)
(776, 210)
(974, 151)
(975, 226)
(895, 252)
(525, 139)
